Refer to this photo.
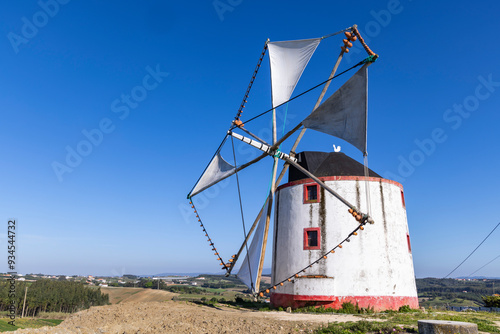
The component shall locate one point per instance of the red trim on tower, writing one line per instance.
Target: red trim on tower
(341, 178)
(409, 243)
(306, 193)
(306, 238)
(378, 303)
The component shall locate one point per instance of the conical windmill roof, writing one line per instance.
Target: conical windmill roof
(327, 164)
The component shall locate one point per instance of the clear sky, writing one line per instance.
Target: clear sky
(145, 91)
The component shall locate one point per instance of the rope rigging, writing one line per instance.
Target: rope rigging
(245, 97)
(213, 156)
(475, 249)
(307, 91)
(292, 278)
(242, 216)
(336, 33)
(484, 266)
(219, 257)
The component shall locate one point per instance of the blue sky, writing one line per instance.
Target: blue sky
(71, 67)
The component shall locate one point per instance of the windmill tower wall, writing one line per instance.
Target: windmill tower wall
(374, 269)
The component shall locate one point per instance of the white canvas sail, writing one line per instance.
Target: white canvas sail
(288, 60)
(344, 114)
(217, 170)
(250, 267)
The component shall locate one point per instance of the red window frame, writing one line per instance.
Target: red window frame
(306, 239)
(408, 240)
(403, 199)
(306, 193)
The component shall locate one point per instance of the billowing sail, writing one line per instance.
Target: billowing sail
(344, 114)
(250, 267)
(288, 60)
(217, 170)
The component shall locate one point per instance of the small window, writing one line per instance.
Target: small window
(312, 238)
(409, 244)
(403, 199)
(311, 193)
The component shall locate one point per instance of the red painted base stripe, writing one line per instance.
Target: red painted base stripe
(378, 303)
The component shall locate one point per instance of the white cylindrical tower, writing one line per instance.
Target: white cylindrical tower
(374, 269)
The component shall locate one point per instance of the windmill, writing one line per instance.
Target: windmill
(322, 254)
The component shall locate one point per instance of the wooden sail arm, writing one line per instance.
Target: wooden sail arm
(271, 197)
(261, 146)
(361, 40)
(293, 161)
(352, 209)
(242, 128)
(318, 102)
(266, 230)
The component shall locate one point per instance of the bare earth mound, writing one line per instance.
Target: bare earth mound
(185, 317)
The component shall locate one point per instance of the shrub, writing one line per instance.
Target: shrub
(405, 308)
(491, 301)
(349, 308)
(364, 326)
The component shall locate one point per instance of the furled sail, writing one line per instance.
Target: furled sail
(250, 267)
(344, 114)
(288, 60)
(217, 170)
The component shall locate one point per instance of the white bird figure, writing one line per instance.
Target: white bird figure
(336, 148)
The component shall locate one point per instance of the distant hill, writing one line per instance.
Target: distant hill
(180, 274)
(479, 277)
(265, 271)
(455, 292)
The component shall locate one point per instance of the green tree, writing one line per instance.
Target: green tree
(492, 301)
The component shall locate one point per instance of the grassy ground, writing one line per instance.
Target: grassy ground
(441, 302)
(26, 323)
(404, 321)
(407, 322)
(116, 295)
(217, 293)
(53, 315)
(119, 295)
(363, 326)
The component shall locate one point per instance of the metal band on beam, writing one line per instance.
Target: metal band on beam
(263, 147)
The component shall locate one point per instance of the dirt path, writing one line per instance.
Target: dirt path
(126, 295)
(186, 317)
